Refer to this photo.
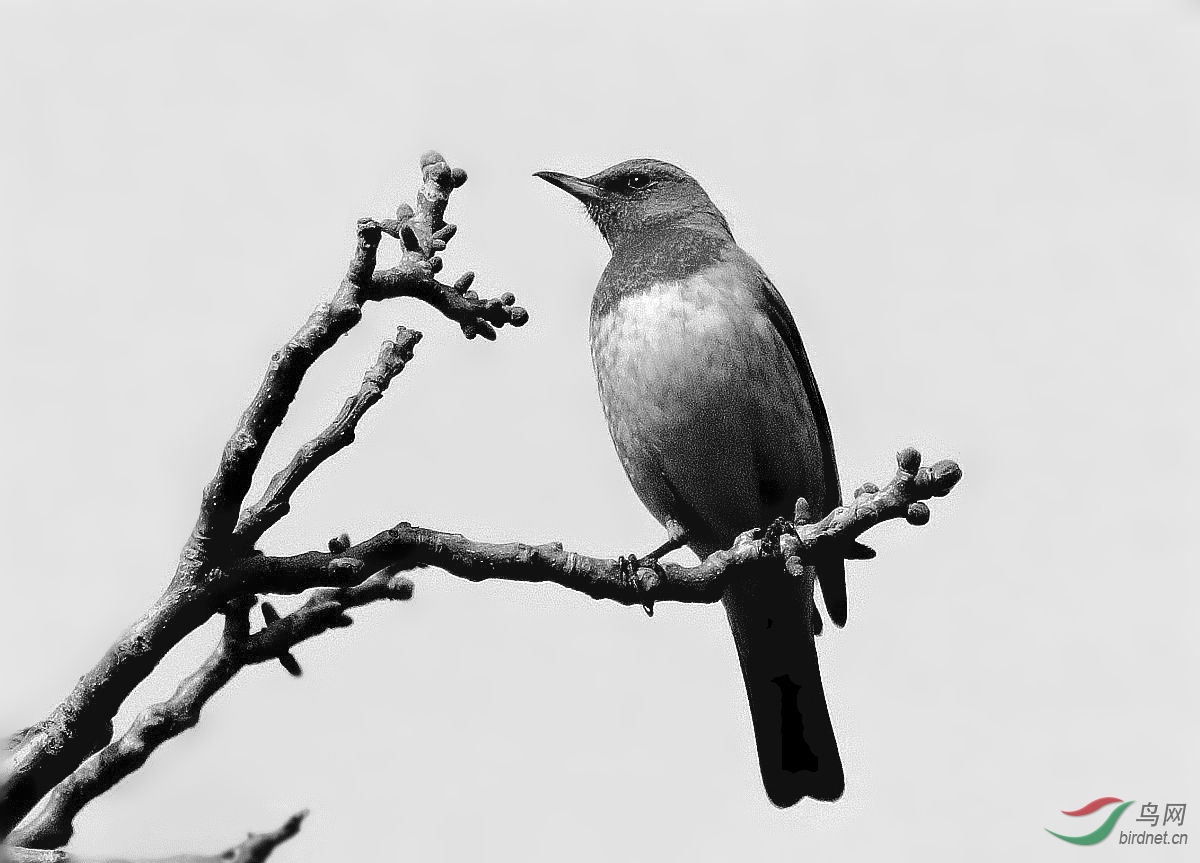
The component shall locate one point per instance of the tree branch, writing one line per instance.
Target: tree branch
(82, 724)
(424, 232)
(405, 547)
(276, 501)
(71, 756)
(52, 825)
(255, 848)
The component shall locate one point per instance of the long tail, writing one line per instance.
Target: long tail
(771, 615)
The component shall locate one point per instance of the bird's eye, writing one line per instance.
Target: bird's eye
(638, 182)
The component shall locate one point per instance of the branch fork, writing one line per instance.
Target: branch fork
(50, 757)
(71, 757)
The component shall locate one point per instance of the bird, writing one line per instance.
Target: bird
(717, 420)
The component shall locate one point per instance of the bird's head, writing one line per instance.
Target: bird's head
(637, 195)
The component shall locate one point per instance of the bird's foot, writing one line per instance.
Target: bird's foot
(771, 537)
(631, 569)
(773, 534)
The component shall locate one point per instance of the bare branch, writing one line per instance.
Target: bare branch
(476, 317)
(32, 855)
(82, 724)
(276, 501)
(406, 547)
(223, 496)
(70, 758)
(255, 848)
(52, 825)
(413, 277)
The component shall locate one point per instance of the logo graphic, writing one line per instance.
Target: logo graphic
(1101, 832)
(1172, 813)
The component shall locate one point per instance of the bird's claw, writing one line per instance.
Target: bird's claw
(772, 536)
(631, 566)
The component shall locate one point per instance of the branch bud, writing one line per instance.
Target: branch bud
(400, 587)
(908, 459)
(463, 282)
(342, 542)
(290, 664)
(918, 513)
(944, 475)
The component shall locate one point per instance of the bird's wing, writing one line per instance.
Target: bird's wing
(831, 573)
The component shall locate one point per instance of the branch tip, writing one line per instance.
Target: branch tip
(944, 475)
(400, 587)
(369, 231)
(909, 459)
(857, 551)
(463, 283)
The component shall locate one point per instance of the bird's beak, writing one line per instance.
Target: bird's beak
(581, 189)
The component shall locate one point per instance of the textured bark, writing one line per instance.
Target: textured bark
(69, 758)
(82, 724)
(51, 825)
(406, 547)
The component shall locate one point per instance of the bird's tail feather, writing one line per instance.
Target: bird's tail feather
(769, 612)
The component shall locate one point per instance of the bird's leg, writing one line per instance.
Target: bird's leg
(630, 564)
(676, 539)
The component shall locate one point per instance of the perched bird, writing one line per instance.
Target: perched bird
(717, 420)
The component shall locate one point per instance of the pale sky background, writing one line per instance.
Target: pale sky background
(985, 219)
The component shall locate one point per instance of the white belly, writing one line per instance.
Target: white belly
(702, 399)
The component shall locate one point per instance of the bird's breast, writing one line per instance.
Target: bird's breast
(697, 387)
(671, 346)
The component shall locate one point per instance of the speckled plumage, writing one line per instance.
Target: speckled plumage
(717, 420)
(690, 372)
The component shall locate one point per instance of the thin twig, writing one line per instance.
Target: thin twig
(276, 501)
(255, 848)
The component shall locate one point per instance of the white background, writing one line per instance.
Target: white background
(985, 219)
